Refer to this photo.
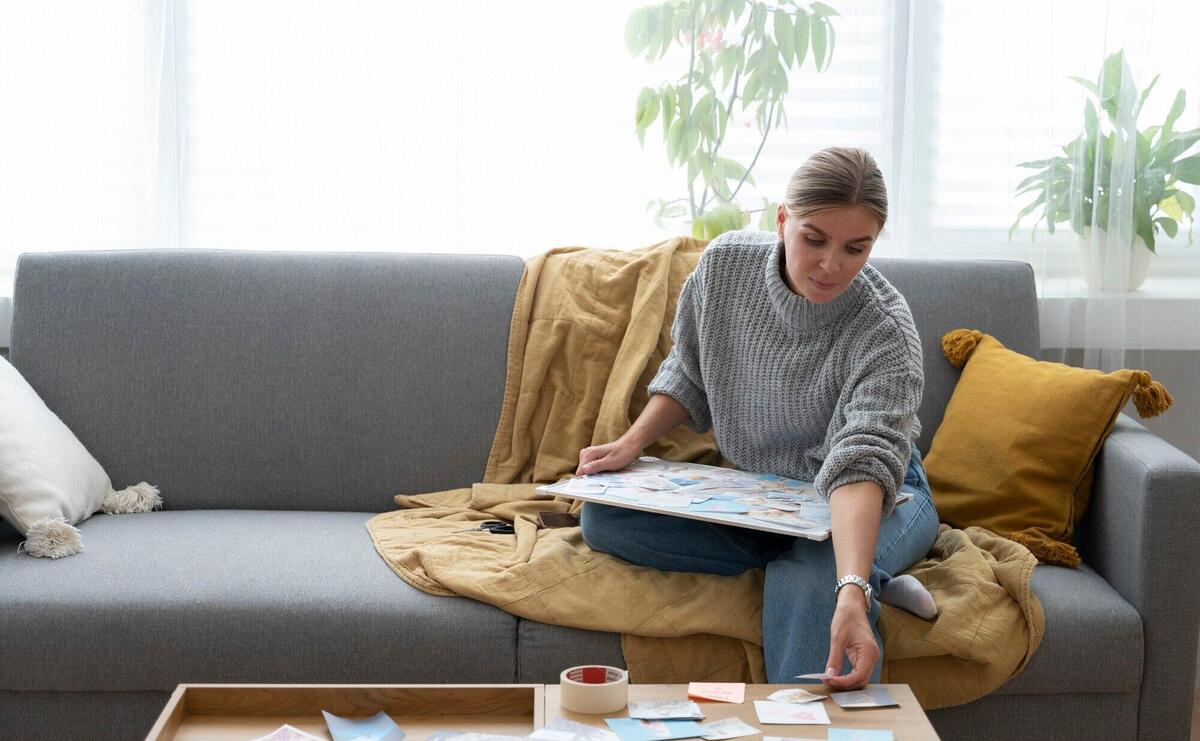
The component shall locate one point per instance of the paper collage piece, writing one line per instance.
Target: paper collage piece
(871, 697)
(288, 733)
(794, 695)
(378, 727)
(665, 710)
(734, 692)
(812, 713)
(633, 729)
(562, 729)
(727, 728)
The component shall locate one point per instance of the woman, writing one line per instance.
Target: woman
(806, 363)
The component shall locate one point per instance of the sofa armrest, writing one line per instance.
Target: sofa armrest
(1140, 534)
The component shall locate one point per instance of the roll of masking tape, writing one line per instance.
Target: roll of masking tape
(594, 690)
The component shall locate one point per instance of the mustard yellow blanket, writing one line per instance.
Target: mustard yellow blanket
(589, 329)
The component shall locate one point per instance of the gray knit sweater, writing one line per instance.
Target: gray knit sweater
(819, 392)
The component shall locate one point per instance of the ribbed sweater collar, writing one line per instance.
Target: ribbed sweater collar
(797, 311)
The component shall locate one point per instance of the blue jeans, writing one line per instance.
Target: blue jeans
(798, 599)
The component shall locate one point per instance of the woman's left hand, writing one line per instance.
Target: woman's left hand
(851, 636)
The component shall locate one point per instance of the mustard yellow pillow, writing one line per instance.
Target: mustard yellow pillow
(1015, 449)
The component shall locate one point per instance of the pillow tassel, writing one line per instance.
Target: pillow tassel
(52, 537)
(1150, 397)
(141, 497)
(958, 344)
(1048, 551)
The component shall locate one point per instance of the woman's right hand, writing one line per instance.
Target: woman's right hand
(607, 457)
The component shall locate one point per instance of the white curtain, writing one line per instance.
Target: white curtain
(474, 126)
(989, 86)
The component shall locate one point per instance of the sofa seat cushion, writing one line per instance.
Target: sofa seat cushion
(162, 598)
(1093, 641)
(543, 650)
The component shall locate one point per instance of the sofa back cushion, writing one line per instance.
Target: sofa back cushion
(305, 381)
(995, 296)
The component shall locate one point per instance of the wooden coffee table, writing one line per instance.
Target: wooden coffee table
(245, 711)
(905, 722)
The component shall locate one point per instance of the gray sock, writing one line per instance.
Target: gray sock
(907, 593)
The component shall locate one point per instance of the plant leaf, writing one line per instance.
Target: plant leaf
(703, 118)
(1091, 86)
(1031, 206)
(822, 9)
(1168, 225)
(1168, 152)
(766, 221)
(750, 92)
(832, 41)
(653, 31)
(801, 36)
(1091, 119)
(1171, 208)
(1188, 169)
(647, 109)
(1145, 230)
(735, 171)
(1176, 110)
(785, 36)
(1145, 94)
(667, 101)
(635, 32)
(819, 41)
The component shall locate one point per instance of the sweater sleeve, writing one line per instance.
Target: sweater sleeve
(679, 374)
(875, 442)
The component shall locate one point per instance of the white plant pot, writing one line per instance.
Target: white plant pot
(1106, 269)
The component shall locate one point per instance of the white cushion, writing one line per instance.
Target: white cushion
(45, 472)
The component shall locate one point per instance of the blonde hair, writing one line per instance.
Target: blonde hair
(836, 177)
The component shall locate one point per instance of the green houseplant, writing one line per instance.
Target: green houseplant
(768, 40)
(1077, 186)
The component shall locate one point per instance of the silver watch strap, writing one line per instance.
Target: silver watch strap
(857, 581)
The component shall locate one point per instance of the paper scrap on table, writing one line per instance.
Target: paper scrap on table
(286, 732)
(718, 691)
(562, 729)
(727, 728)
(859, 734)
(665, 710)
(791, 713)
(633, 729)
(871, 697)
(378, 727)
(795, 695)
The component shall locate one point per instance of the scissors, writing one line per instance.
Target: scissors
(495, 527)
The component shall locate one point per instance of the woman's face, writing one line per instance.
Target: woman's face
(824, 251)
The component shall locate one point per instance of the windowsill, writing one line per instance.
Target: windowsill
(1164, 314)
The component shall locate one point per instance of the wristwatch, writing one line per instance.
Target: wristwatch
(857, 581)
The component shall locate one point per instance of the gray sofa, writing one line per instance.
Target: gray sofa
(280, 400)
